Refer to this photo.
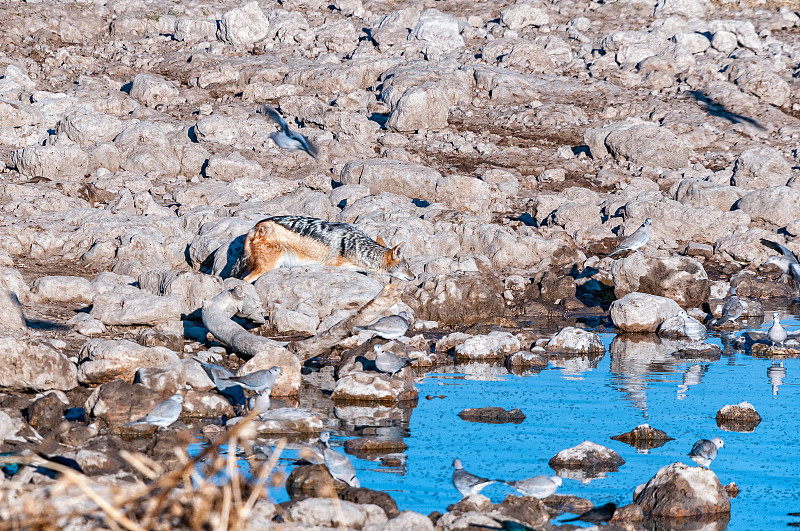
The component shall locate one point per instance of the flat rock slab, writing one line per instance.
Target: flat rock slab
(492, 415)
(372, 445)
(285, 421)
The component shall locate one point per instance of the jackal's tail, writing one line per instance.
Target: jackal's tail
(241, 267)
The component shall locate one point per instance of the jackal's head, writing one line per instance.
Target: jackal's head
(396, 265)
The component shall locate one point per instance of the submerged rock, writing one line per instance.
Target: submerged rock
(492, 415)
(679, 490)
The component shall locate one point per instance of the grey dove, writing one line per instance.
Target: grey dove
(389, 362)
(705, 451)
(389, 327)
(638, 239)
(466, 483)
(164, 414)
(338, 464)
(259, 380)
(220, 376)
(537, 486)
(259, 402)
(776, 333)
(732, 309)
(787, 262)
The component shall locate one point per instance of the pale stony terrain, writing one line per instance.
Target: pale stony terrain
(509, 145)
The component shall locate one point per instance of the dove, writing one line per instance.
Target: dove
(638, 239)
(164, 414)
(776, 333)
(537, 486)
(338, 464)
(705, 451)
(787, 262)
(389, 327)
(286, 138)
(389, 362)
(259, 380)
(466, 483)
(732, 309)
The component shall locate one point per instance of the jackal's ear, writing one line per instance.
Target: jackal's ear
(397, 251)
(380, 241)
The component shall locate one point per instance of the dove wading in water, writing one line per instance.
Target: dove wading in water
(776, 333)
(692, 328)
(466, 483)
(705, 451)
(260, 402)
(598, 515)
(164, 414)
(286, 138)
(338, 464)
(787, 262)
(389, 362)
(538, 486)
(389, 327)
(732, 309)
(638, 239)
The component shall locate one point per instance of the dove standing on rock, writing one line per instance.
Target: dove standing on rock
(389, 362)
(692, 328)
(787, 262)
(598, 515)
(220, 376)
(164, 414)
(286, 138)
(776, 333)
(466, 483)
(538, 486)
(259, 380)
(338, 464)
(705, 451)
(732, 309)
(389, 327)
(636, 240)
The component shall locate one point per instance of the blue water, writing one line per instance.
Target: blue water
(566, 406)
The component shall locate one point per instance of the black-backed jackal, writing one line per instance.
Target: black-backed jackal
(288, 241)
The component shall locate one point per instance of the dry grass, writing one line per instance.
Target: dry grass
(207, 492)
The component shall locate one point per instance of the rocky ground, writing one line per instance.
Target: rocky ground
(509, 145)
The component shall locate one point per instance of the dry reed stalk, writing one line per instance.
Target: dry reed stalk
(153, 501)
(263, 473)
